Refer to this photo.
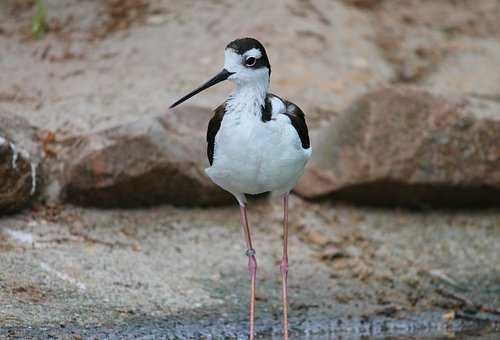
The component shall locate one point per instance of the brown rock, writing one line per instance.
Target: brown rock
(19, 131)
(17, 177)
(151, 161)
(19, 159)
(403, 145)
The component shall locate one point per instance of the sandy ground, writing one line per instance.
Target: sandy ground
(99, 272)
(69, 84)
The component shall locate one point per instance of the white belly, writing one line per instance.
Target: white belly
(252, 157)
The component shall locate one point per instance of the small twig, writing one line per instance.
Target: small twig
(90, 239)
(441, 276)
(475, 318)
(467, 302)
(57, 240)
(388, 311)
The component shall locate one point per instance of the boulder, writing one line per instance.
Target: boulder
(403, 145)
(17, 177)
(19, 131)
(151, 161)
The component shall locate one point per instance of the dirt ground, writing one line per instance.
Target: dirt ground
(75, 81)
(355, 272)
(92, 272)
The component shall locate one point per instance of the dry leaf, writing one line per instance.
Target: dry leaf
(317, 238)
(332, 253)
(448, 316)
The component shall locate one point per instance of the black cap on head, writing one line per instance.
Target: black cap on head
(245, 44)
(240, 46)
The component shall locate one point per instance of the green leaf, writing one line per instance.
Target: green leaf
(38, 20)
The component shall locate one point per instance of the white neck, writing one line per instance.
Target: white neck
(248, 98)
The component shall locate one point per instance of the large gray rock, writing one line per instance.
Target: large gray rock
(151, 161)
(18, 167)
(403, 145)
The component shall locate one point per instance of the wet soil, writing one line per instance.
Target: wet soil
(311, 325)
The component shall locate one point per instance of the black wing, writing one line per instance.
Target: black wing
(298, 120)
(213, 128)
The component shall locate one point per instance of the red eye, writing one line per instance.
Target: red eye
(250, 61)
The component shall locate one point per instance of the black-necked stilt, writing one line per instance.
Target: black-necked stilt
(257, 142)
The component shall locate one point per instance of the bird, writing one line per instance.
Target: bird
(257, 142)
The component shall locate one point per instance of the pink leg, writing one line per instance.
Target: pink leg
(252, 268)
(284, 266)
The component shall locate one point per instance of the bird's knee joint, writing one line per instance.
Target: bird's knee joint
(284, 267)
(250, 252)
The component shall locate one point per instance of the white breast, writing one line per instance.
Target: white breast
(252, 156)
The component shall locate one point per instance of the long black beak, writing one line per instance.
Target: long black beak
(221, 76)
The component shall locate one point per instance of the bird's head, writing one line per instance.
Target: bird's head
(245, 63)
(246, 60)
